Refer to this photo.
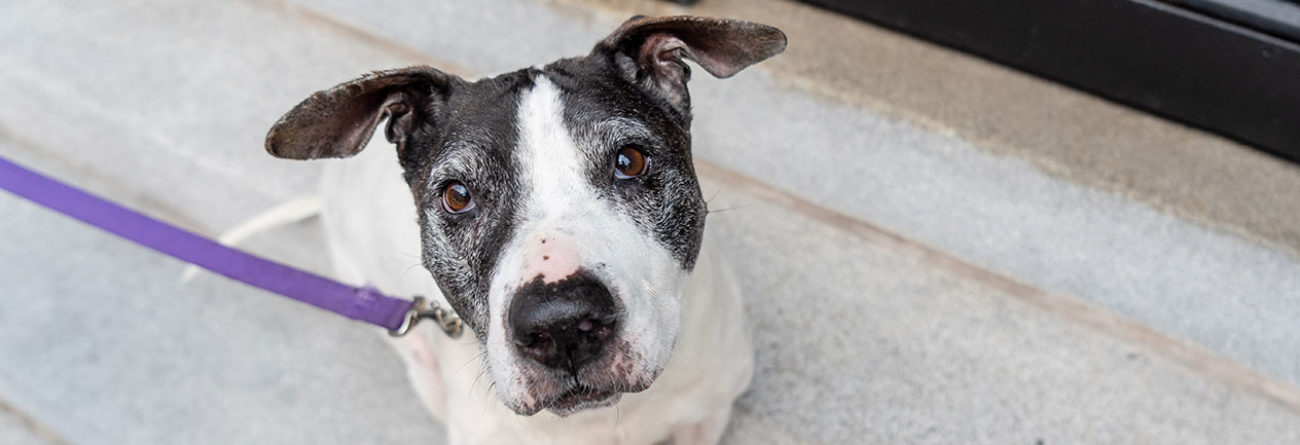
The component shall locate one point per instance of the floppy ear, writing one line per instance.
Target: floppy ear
(337, 123)
(652, 49)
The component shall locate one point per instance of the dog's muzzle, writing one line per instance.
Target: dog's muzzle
(563, 325)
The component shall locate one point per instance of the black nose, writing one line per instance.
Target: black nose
(562, 325)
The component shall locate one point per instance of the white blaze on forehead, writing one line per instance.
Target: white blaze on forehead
(554, 170)
(552, 163)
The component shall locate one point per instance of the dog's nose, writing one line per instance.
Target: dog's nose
(562, 325)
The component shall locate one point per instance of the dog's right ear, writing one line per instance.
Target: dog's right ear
(338, 122)
(652, 50)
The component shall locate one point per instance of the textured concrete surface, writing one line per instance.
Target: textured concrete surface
(865, 336)
(17, 428)
(106, 345)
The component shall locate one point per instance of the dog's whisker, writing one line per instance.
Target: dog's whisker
(715, 195)
(477, 377)
(728, 209)
(482, 370)
(471, 360)
(408, 269)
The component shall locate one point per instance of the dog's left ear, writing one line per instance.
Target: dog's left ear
(649, 51)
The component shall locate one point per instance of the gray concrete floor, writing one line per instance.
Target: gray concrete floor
(913, 279)
(17, 428)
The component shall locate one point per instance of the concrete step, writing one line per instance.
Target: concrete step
(865, 335)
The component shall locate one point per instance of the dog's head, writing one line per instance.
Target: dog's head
(558, 206)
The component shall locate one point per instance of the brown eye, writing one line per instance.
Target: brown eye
(630, 163)
(456, 199)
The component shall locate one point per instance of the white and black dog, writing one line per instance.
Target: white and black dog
(558, 213)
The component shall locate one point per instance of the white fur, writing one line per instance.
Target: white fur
(369, 218)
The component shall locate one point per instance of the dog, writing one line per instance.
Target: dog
(558, 213)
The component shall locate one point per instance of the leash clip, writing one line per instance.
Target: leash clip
(421, 309)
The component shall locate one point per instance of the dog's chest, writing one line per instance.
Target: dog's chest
(370, 222)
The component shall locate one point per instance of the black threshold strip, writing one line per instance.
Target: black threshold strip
(1204, 63)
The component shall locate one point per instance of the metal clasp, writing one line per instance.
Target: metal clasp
(421, 309)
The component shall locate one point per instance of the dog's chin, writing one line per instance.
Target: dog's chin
(579, 397)
(582, 398)
(599, 384)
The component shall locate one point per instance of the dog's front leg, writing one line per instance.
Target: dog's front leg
(422, 367)
(705, 432)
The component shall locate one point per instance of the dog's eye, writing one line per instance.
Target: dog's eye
(456, 198)
(630, 163)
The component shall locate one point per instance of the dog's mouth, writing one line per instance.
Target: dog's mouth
(581, 398)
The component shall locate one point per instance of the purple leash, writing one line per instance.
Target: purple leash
(358, 303)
